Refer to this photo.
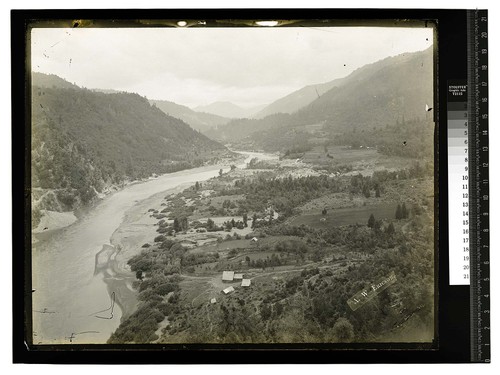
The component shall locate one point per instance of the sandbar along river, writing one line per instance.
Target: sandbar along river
(71, 303)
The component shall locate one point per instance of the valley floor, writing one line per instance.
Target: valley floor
(305, 240)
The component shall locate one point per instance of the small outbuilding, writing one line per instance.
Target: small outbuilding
(245, 282)
(254, 239)
(213, 300)
(227, 275)
(228, 290)
(238, 276)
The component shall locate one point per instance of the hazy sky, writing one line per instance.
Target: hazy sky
(195, 66)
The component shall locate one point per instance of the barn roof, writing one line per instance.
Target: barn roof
(227, 275)
(228, 290)
(245, 282)
(238, 276)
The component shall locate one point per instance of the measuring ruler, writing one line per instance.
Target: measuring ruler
(468, 184)
(477, 83)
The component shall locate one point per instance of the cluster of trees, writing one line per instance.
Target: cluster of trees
(260, 164)
(178, 208)
(212, 227)
(198, 258)
(402, 212)
(141, 326)
(230, 224)
(180, 224)
(269, 261)
(365, 185)
(164, 257)
(281, 194)
(157, 269)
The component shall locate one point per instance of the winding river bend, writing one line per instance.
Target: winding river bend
(71, 303)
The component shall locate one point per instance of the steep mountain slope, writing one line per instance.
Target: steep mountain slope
(378, 95)
(84, 141)
(375, 95)
(228, 109)
(197, 120)
(298, 99)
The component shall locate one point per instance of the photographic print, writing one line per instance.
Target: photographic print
(261, 183)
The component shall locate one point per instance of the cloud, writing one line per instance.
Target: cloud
(198, 66)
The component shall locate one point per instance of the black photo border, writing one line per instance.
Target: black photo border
(452, 344)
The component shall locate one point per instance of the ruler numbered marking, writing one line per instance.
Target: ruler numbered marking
(458, 182)
(477, 82)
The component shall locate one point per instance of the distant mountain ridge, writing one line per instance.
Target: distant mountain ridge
(201, 121)
(228, 110)
(298, 99)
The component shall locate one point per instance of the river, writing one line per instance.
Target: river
(71, 303)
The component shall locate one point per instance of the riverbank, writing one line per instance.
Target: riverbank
(53, 223)
(137, 228)
(64, 261)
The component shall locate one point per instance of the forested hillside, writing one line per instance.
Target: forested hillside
(84, 141)
(373, 97)
(51, 81)
(298, 99)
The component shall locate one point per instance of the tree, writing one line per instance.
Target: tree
(184, 223)
(371, 221)
(404, 212)
(220, 172)
(265, 311)
(197, 186)
(210, 225)
(254, 221)
(366, 191)
(390, 229)
(324, 212)
(177, 225)
(139, 275)
(245, 219)
(343, 330)
(233, 167)
(377, 191)
(271, 215)
(399, 212)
